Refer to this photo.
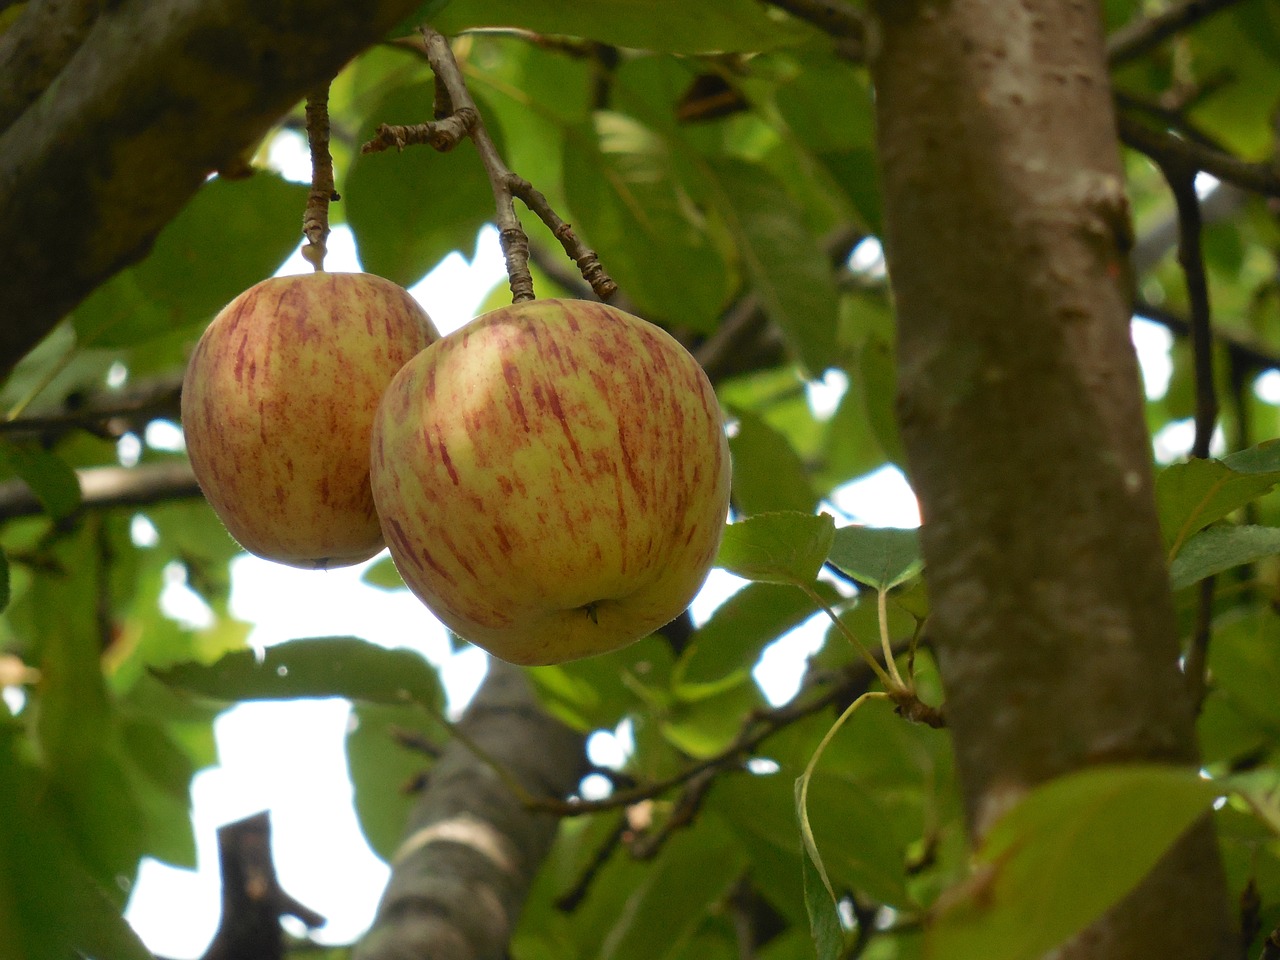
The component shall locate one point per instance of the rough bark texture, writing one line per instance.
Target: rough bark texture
(156, 96)
(471, 848)
(1021, 412)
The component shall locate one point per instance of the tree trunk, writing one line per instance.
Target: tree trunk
(1021, 411)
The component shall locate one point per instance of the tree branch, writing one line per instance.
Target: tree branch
(159, 94)
(471, 849)
(1135, 39)
(104, 487)
(36, 48)
(1164, 148)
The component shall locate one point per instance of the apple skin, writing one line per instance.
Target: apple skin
(553, 479)
(277, 404)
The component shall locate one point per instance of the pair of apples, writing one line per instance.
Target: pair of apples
(552, 479)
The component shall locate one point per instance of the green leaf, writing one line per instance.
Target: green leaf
(52, 481)
(626, 194)
(768, 475)
(383, 575)
(788, 268)
(1221, 548)
(882, 558)
(231, 235)
(706, 27)
(879, 378)
(824, 920)
(1069, 850)
(409, 210)
(1194, 494)
(316, 667)
(4, 581)
(777, 547)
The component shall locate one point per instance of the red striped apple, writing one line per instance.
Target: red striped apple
(553, 479)
(277, 405)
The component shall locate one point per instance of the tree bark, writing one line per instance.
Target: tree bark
(1021, 411)
(472, 848)
(158, 95)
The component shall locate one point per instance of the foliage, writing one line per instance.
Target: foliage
(720, 158)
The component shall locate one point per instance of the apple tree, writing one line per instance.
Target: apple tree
(897, 235)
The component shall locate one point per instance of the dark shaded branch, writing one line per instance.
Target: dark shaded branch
(472, 847)
(836, 18)
(1135, 39)
(1164, 148)
(1182, 181)
(178, 90)
(36, 48)
(106, 414)
(252, 899)
(103, 487)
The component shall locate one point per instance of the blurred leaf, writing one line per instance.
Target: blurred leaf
(316, 667)
(703, 863)
(824, 921)
(788, 268)
(383, 575)
(231, 235)
(768, 475)
(1221, 548)
(1069, 850)
(161, 773)
(777, 547)
(412, 208)
(628, 199)
(710, 26)
(382, 769)
(879, 377)
(4, 581)
(50, 479)
(703, 723)
(881, 557)
(596, 692)
(1194, 494)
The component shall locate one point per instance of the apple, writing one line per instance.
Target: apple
(552, 479)
(277, 404)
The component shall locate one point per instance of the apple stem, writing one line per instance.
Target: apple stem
(456, 117)
(315, 221)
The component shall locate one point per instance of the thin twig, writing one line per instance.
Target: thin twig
(1195, 667)
(104, 414)
(568, 901)
(1182, 181)
(1246, 352)
(315, 222)
(686, 807)
(456, 116)
(1164, 147)
(1135, 39)
(757, 728)
(103, 487)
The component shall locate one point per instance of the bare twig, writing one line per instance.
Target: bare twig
(315, 221)
(757, 728)
(1165, 148)
(570, 899)
(1135, 39)
(103, 487)
(686, 807)
(104, 414)
(458, 116)
(1182, 181)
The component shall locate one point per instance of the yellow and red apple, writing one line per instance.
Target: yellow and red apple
(552, 479)
(277, 406)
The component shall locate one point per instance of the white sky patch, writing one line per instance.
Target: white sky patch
(1153, 344)
(142, 532)
(825, 394)
(882, 498)
(1174, 441)
(165, 435)
(1267, 387)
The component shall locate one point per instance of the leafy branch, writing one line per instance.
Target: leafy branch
(457, 116)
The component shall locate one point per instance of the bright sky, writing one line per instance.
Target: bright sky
(288, 757)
